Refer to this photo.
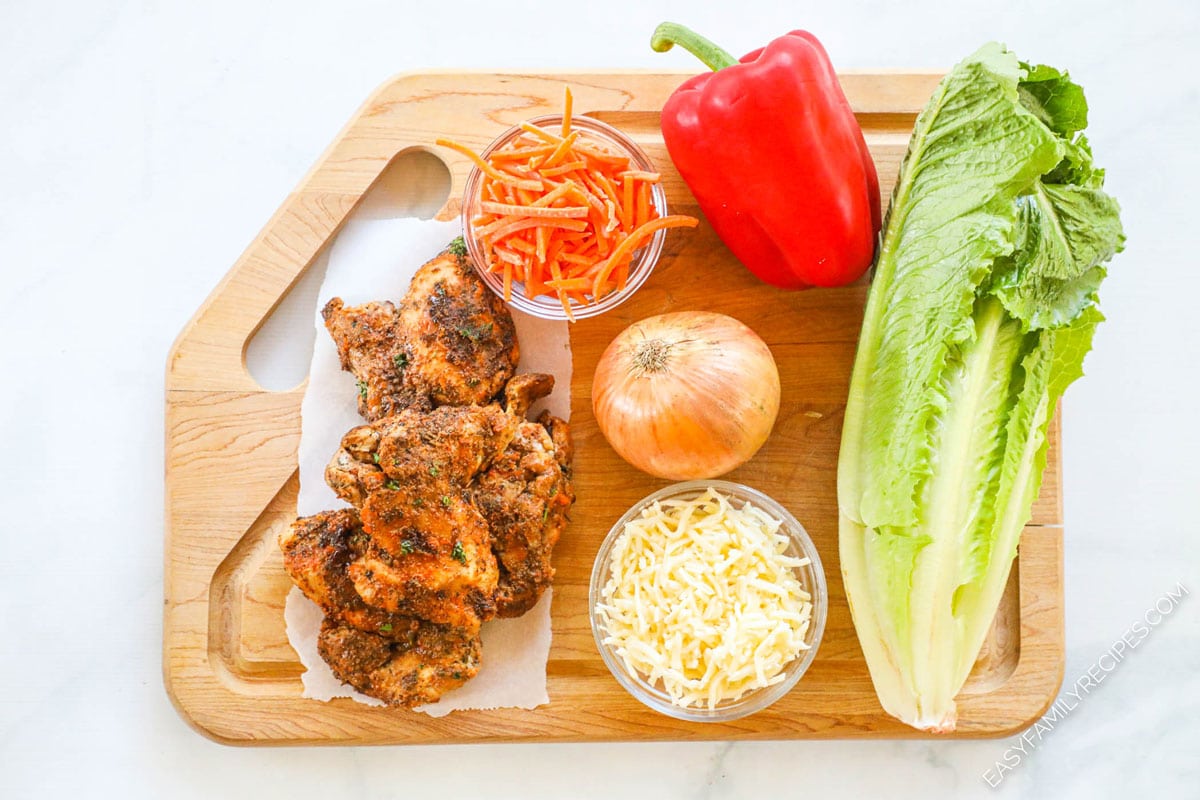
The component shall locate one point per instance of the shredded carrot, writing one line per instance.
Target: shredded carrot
(563, 213)
(530, 210)
(603, 157)
(543, 242)
(622, 275)
(627, 205)
(522, 245)
(541, 133)
(602, 182)
(509, 226)
(554, 195)
(643, 206)
(487, 168)
(509, 256)
(561, 151)
(576, 258)
(626, 247)
(522, 153)
(563, 169)
(570, 284)
(568, 104)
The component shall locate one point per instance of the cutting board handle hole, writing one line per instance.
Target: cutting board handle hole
(415, 183)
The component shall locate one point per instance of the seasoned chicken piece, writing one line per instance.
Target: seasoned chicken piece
(428, 555)
(458, 499)
(354, 471)
(450, 443)
(414, 669)
(462, 335)
(428, 551)
(524, 496)
(372, 347)
(521, 392)
(317, 552)
(450, 341)
(400, 659)
(514, 473)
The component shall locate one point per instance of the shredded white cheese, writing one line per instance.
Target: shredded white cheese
(702, 600)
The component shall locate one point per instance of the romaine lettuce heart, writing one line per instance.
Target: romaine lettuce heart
(980, 312)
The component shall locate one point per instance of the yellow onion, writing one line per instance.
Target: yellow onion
(686, 396)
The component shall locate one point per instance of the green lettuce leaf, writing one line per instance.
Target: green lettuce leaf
(1076, 167)
(1054, 99)
(974, 150)
(1065, 235)
(981, 309)
(1055, 362)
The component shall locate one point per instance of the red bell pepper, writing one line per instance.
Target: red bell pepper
(774, 155)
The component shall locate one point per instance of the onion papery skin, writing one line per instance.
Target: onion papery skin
(686, 396)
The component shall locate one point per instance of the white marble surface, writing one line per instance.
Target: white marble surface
(142, 146)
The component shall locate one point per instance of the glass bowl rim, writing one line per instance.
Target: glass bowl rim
(758, 699)
(644, 261)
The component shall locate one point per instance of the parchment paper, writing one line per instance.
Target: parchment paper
(374, 259)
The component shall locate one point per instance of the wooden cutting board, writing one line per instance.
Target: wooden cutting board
(231, 455)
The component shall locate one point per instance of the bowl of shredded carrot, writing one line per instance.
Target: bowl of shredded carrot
(564, 217)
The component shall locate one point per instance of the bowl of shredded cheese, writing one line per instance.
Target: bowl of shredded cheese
(708, 601)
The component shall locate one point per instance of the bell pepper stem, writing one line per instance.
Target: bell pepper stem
(669, 34)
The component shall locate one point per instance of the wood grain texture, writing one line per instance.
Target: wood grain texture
(231, 456)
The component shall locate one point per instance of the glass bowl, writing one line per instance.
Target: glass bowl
(644, 258)
(812, 578)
